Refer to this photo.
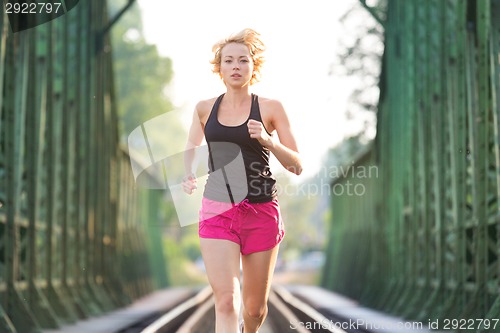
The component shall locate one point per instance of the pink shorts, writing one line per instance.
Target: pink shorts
(254, 226)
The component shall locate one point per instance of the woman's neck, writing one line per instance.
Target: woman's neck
(236, 97)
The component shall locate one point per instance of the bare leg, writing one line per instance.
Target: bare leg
(222, 262)
(258, 271)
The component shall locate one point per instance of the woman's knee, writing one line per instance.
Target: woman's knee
(255, 309)
(227, 302)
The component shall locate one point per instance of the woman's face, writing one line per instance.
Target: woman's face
(236, 66)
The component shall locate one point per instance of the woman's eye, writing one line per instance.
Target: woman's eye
(228, 61)
(244, 60)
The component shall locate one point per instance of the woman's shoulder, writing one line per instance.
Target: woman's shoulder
(204, 107)
(270, 105)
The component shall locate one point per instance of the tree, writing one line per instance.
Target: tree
(362, 45)
(141, 76)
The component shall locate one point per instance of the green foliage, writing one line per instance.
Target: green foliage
(345, 153)
(141, 79)
(190, 244)
(302, 213)
(180, 267)
(141, 75)
(306, 206)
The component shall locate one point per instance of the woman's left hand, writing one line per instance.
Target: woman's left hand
(257, 131)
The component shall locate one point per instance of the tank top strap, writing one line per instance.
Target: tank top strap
(215, 108)
(255, 110)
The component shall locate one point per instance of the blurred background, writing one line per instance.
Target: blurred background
(322, 62)
(394, 105)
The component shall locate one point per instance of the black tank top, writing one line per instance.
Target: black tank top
(238, 165)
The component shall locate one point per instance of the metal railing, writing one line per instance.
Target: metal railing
(423, 240)
(73, 227)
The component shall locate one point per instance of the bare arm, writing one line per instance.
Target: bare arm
(285, 149)
(195, 137)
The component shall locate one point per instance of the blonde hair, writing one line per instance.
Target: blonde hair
(248, 37)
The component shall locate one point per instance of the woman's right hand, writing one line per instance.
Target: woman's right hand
(189, 183)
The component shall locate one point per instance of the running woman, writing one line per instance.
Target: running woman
(240, 214)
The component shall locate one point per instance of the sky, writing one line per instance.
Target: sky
(301, 40)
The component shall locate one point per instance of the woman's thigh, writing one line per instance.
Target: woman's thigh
(222, 264)
(258, 269)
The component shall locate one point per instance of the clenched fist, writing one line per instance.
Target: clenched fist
(257, 131)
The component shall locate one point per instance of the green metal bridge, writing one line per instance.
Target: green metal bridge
(422, 242)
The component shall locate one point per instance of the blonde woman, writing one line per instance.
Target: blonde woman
(240, 215)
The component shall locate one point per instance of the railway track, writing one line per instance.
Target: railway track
(296, 308)
(287, 313)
